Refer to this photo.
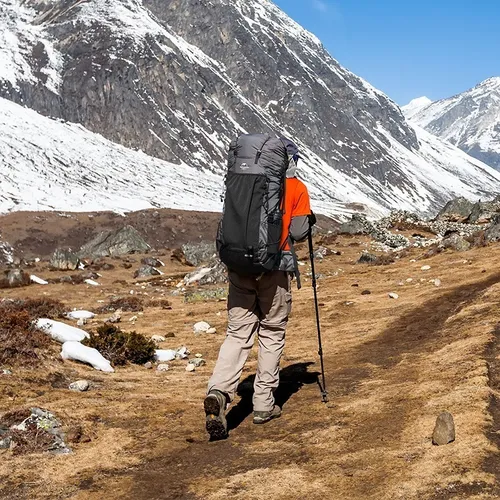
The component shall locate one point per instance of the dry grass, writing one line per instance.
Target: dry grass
(20, 343)
(36, 308)
(391, 367)
(125, 304)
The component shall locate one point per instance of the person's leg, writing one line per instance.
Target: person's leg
(243, 323)
(275, 302)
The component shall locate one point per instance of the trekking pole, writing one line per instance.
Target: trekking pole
(322, 384)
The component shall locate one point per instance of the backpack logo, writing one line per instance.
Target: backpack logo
(244, 166)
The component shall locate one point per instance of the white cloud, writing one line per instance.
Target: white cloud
(320, 5)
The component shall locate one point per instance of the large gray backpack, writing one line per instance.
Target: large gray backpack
(248, 239)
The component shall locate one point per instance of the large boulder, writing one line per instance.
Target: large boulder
(214, 272)
(357, 225)
(14, 278)
(458, 209)
(115, 243)
(63, 259)
(147, 272)
(456, 242)
(195, 254)
(493, 232)
(484, 212)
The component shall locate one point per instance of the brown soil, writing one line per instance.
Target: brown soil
(38, 234)
(392, 366)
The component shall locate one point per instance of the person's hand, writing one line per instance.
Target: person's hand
(312, 219)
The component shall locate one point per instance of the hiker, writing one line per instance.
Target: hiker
(260, 299)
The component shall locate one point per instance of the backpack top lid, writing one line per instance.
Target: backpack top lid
(291, 148)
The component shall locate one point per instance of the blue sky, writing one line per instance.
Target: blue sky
(408, 48)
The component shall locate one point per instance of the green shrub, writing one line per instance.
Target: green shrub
(121, 347)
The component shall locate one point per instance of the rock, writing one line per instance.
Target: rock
(437, 282)
(64, 259)
(456, 210)
(214, 273)
(366, 292)
(425, 268)
(147, 272)
(198, 355)
(394, 295)
(133, 319)
(212, 331)
(158, 339)
(5, 443)
(190, 367)
(115, 318)
(80, 386)
(456, 242)
(367, 258)
(148, 365)
(493, 233)
(195, 254)
(197, 362)
(115, 243)
(91, 282)
(152, 262)
(483, 212)
(81, 322)
(163, 367)
(170, 335)
(15, 278)
(356, 226)
(201, 327)
(444, 431)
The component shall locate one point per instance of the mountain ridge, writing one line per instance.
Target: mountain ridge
(180, 80)
(469, 120)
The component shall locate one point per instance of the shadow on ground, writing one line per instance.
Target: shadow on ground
(292, 379)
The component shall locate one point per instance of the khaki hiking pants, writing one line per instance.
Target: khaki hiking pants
(255, 306)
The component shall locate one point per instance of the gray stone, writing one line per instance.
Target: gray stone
(148, 365)
(393, 295)
(115, 318)
(196, 254)
(115, 243)
(64, 260)
(356, 226)
(152, 262)
(444, 431)
(215, 272)
(456, 242)
(456, 209)
(158, 339)
(15, 278)
(197, 362)
(162, 367)
(493, 233)
(5, 443)
(80, 386)
(146, 272)
(367, 258)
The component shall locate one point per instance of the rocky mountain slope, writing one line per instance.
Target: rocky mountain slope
(179, 79)
(470, 120)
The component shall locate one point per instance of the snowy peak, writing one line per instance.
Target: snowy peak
(470, 120)
(176, 82)
(415, 106)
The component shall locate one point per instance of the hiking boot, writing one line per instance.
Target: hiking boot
(215, 408)
(261, 417)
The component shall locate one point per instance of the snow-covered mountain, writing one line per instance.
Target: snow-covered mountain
(470, 121)
(178, 80)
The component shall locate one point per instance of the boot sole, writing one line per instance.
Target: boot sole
(215, 423)
(260, 421)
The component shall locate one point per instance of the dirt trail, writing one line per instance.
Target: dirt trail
(392, 367)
